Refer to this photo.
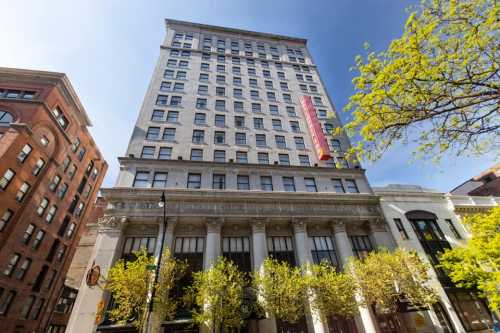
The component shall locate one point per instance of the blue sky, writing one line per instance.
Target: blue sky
(109, 49)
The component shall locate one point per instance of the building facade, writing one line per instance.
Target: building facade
(77, 271)
(50, 173)
(232, 129)
(429, 222)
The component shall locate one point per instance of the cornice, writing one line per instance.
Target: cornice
(125, 161)
(248, 33)
(151, 194)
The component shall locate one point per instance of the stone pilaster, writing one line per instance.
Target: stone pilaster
(109, 237)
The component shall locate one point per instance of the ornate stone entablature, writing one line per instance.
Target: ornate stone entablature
(205, 203)
(109, 223)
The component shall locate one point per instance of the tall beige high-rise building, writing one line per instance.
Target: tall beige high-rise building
(233, 129)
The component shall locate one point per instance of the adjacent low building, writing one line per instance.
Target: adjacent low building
(429, 222)
(50, 173)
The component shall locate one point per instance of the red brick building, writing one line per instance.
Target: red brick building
(50, 174)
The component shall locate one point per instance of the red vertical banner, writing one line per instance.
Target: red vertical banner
(319, 139)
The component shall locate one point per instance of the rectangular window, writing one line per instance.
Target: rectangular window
(290, 110)
(256, 108)
(203, 77)
(219, 182)
(281, 249)
(289, 184)
(40, 235)
(6, 302)
(221, 68)
(28, 303)
(196, 155)
(180, 76)
(200, 118)
(284, 159)
(23, 190)
(453, 229)
(219, 137)
(141, 179)
(161, 100)
(220, 91)
(21, 272)
(236, 70)
(239, 121)
(153, 133)
(266, 183)
(336, 145)
(40, 163)
(178, 87)
(273, 109)
(42, 206)
(219, 155)
(243, 182)
(294, 125)
(53, 209)
(168, 134)
(241, 157)
(220, 120)
(5, 219)
(204, 66)
(198, 136)
(6, 178)
(338, 186)
(11, 265)
(254, 94)
(251, 71)
(160, 180)
(157, 115)
(61, 119)
(165, 153)
(240, 138)
(263, 158)
(237, 80)
(238, 107)
(299, 142)
(175, 100)
(401, 229)
(277, 126)
(237, 249)
(220, 79)
(351, 186)
(238, 93)
(310, 184)
(268, 84)
(317, 100)
(148, 152)
(271, 96)
(24, 153)
(280, 141)
(287, 98)
(361, 246)
(194, 181)
(304, 160)
(202, 90)
(323, 250)
(258, 123)
(220, 105)
(252, 82)
(168, 74)
(281, 76)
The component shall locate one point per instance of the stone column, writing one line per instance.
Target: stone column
(314, 319)
(109, 237)
(259, 249)
(213, 244)
(381, 234)
(365, 321)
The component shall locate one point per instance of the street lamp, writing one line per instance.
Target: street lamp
(162, 204)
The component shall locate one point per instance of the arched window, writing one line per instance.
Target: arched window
(5, 118)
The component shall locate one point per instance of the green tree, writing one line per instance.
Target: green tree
(437, 85)
(281, 290)
(384, 277)
(333, 293)
(130, 281)
(477, 264)
(218, 295)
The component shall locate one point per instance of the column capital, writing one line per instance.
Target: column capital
(338, 226)
(299, 224)
(258, 224)
(214, 224)
(109, 223)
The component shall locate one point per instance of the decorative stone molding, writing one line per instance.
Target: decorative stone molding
(299, 225)
(111, 223)
(214, 224)
(338, 226)
(259, 225)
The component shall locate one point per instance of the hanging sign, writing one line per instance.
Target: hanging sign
(319, 140)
